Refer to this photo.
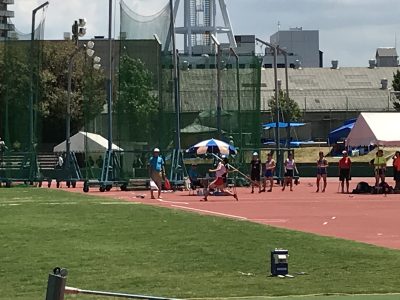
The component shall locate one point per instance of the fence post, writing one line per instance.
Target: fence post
(56, 284)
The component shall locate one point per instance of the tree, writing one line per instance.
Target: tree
(136, 106)
(88, 88)
(396, 87)
(289, 109)
(14, 92)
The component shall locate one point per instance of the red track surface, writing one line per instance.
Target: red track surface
(372, 219)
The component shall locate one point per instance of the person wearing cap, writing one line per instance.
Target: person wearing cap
(269, 172)
(344, 170)
(290, 167)
(156, 171)
(221, 172)
(255, 170)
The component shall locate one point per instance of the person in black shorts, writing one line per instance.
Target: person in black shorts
(344, 171)
(322, 170)
(255, 171)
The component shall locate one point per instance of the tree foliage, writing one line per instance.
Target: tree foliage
(14, 91)
(396, 87)
(88, 86)
(136, 105)
(289, 109)
(39, 73)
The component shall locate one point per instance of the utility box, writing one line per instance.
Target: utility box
(279, 262)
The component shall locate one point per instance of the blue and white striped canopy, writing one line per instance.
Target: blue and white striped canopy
(212, 146)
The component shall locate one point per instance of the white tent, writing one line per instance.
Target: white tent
(375, 129)
(85, 140)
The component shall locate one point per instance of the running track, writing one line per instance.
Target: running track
(372, 219)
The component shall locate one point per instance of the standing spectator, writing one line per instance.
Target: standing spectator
(269, 172)
(99, 161)
(255, 170)
(3, 146)
(345, 170)
(379, 167)
(290, 167)
(3, 149)
(396, 170)
(156, 171)
(322, 170)
(60, 162)
(90, 161)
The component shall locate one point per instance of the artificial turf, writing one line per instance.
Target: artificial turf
(111, 245)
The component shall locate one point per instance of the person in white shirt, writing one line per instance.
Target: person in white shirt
(220, 172)
(290, 167)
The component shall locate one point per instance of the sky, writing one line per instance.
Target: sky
(349, 30)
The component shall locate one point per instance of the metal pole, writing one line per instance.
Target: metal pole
(287, 95)
(277, 108)
(31, 126)
(33, 157)
(219, 100)
(68, 116)
(238, 96)
(71, 290)
(219, 54)
(176, 80)
(109, 79)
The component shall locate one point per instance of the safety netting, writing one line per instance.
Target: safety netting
(20, 96)
(34, 99)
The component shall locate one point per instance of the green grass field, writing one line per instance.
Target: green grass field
(117, 246)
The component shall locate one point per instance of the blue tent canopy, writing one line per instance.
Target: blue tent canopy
(282, 125)
(341, 132)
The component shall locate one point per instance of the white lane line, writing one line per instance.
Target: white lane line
(271, 220)
(172, 202)
(210, 212)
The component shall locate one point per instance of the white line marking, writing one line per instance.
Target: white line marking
(171, 202)
(271, 220)
(333, 218)
(210, 212)
(325, 223)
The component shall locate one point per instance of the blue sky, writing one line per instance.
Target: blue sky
(349, 30)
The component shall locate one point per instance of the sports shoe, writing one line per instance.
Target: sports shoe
(236, 197)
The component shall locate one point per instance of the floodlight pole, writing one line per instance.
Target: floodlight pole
(277, 107)
(219, 97)
(238, 95)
